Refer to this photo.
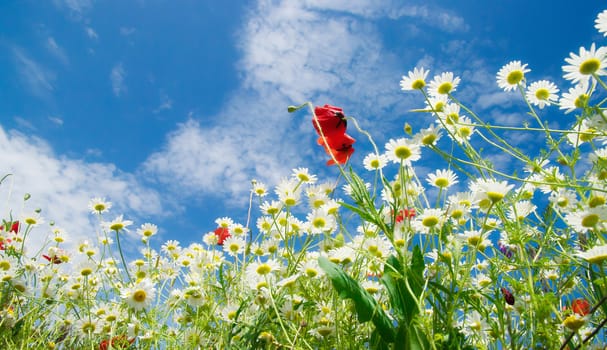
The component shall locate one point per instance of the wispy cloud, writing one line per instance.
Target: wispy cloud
(23, 123)
(69, 184)
(56, 120)
(126, 31)
(75, 8)
(166, 103)
(91, 33)
(36, 78)
(55, 50)
(117, 79)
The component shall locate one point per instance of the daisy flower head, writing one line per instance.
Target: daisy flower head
(428, 220)
(542, 93)
(147, 230)
(140, 295)
(99, 205)
(596, 254)
(600, 23)
(490, 190)
(320, 221)
(375, 161)
(414, 80)
(587, 219)
(581, 67)
(403, 151)
(303, 175)
(118, 224)
(443, 84)
(32, 219)
(234, 245)
(429, 136)
(442, 178)
(511, 75)
(436, 104)
(259, 188)
(576, 97)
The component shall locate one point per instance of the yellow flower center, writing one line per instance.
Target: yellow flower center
(234, 247)
(542, 94)
(495, 196)
(590, 220)
(263, 269)
(310, 272)
(30, 221)
(402, 152)
(428, 139)
(590, 66)
(86, 271)
(139, 296)
(99, 207)
(595, 201)
(581, 101)
(319, 223)
(289, 202)
(439, 106)
(374, 164)
(445, 88)
(117, 226)
(441, 182)
(430, 221)
(418, 84)
(514, 77)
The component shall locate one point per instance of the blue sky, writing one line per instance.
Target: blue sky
(169, 108)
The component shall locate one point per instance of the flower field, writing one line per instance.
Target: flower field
(481, 252)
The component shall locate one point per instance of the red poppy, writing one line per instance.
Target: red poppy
(332, 121)
(405, 214)
(222, 234)
(580, 306)
(118, 342)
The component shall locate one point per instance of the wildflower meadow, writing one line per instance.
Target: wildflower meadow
(493, 248)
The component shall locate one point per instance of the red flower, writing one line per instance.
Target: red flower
(118, 342)
(580, 306)
(336, 142)
(405, 214)
(54, 259)
(508, 296)
(331, 120)
(222, 234)
(14, 229)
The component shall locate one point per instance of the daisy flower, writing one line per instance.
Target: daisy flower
(542, 93)
(437, 104)
(491, 190)
(99, 205)
(33, 219)
(601, 22)
(118, 224)
(442, 178)
(511, 75)
(320, 221)
(443, 84)
(375, 161)
(429, 136)
(402, 151)
(303, 175)
(288, 192)
(415, 80)
(259, 274)
(576, 97)
(234, 245)
(521, 210)
(140, 295)
(581, 67)
(587, 219)
(428, 219)
(147, 230)
(259, 188)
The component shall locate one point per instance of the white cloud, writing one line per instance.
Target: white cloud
(24, 123)
(36, 78)
(91, 33)
(56, 120)
(76, 8)
(165, 104)
(126, 31)
(62, 187)
(117, 79)
(56, 50)
(432, 16)
(292, 52)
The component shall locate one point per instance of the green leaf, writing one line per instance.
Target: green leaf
(367, 308)
(405, 285)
